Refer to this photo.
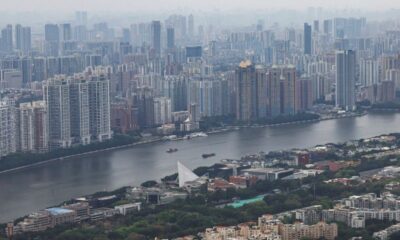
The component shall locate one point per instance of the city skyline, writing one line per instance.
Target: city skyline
(191, 120)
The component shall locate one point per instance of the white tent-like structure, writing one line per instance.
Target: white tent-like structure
(185, 174)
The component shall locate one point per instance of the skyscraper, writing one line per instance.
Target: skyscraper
(307, 39)
(65, 32)
(81, 18)
(281, 90)
(33, 127)
(250, 92)
(18, 36)
(99, 105)
(23, 38)
(8, 128)
(156, 37)
(162, 110)
(51, 33)
(80, 111)
(191, 26)
(345, 79)
(56, 94)
(170, 38)
(304, 98)
(7, 39)
(52, 39)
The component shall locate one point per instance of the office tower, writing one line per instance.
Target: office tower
(52, 33)
(191, 26)
(307, 39)
(250, 92)
(7, 39)
(281, 90)
(316, 25)
(260, 25)
(65, 32)
(170, 38)
(56, 94)
(345, 79)
(80, 33)
(23, 38)
(348, 27)
(99, 105)
(156, 37)
(327, 26)
(26, 44)
(18, 36)
(33, 132)
(79, 106)
(8, 127)
(52, 39)
(81, 18)
(126, 35)
(162, 111)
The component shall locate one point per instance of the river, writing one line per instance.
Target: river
(28, 190)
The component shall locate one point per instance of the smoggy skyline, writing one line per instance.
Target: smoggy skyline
(193, 5)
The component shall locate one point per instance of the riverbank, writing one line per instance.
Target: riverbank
(80, 155)
(52, 183)
(255, 199)
(160, 139)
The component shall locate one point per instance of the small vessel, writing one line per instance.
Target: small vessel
(172, 150)
(207, 155)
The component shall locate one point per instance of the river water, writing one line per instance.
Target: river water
(31, 189)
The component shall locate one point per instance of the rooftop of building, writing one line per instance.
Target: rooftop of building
(59, 211)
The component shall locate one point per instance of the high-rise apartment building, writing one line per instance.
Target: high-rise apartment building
(56, 94)
(250, 92)
(281, 90)
(7, 127)
(162, 111)
(304, 96)
(345, 79)
(99, 107)
(33, 132)
(79, 106)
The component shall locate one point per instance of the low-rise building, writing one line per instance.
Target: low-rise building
(128, 208)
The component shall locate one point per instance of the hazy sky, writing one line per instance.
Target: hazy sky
(163, 5)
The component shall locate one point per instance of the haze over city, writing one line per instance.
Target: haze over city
(192, 5)
(189, 120)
